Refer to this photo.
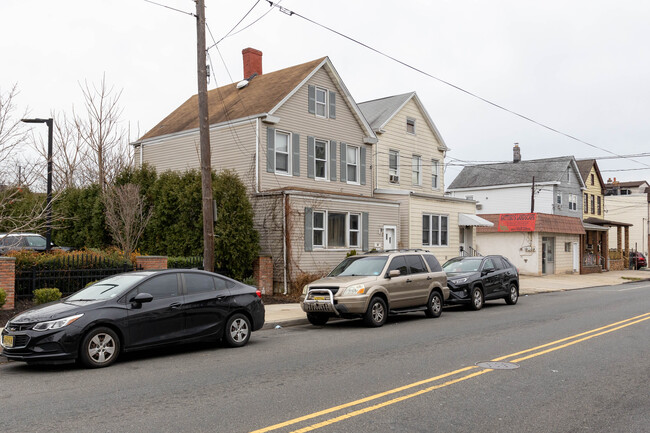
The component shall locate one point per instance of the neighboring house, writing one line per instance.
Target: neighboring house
(508, 187)
(543, 244)
(298, 140)
(598, 251)
(409, 160)
(629, 202)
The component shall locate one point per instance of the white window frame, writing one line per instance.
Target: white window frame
(393, 171)
(558, 199)
(325, 229)
(410, 120)
(357, 153)
(573, 202)
(438, 240)
(416, 167)
(435, 173)
(288, 153)
(326, 143)
(322, 104)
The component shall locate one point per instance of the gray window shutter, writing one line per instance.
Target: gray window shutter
(309, 239)
(332, 105)
(310, 157)
(362, 165)
(333, 160)
(270, 150)
(344, 172)
(295, 150)
(364, 231)
(312, 99)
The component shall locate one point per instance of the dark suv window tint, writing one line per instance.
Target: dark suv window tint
(398, 263)
(433, 263)
(488, 264)
(162, 286)
(416, 264)
(198, 283)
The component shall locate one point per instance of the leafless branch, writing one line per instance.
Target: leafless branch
(126, 215)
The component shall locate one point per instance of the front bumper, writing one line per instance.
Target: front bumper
(324, 301)
(32, 346)
(458, 294)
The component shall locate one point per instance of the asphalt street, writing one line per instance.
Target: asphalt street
(575, 361)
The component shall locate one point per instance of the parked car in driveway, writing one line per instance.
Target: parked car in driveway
(637, 260)
(474, 280)
(373, 285)
(132, 311)
(25, 241)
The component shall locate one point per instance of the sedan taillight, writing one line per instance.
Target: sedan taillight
(258, 293)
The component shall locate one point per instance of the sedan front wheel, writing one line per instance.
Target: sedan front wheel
(99, 348)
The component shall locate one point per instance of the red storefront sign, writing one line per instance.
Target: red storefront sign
(517, 222)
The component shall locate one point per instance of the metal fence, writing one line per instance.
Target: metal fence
(67, 275)
(195, 262)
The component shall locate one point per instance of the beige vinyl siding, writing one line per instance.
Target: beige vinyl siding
(595, 190)
(268, 221)
(404, 217)
(438, 206)
(295, 118)
(422, 143)
(232, 147)
(563, 259)
(324, 260)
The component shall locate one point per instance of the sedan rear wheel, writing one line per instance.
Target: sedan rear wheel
(477, 298)
(99, 348)
(513, 295)
(238, 330)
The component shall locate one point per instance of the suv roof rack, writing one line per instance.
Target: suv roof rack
(398, 250)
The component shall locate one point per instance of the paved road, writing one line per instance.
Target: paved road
(583, 357)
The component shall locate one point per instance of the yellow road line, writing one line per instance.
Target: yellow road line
(589, 334)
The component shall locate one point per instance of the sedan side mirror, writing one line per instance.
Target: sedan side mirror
(141, 298)
(394, 273)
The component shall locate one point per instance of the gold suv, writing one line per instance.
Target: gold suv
(373, 285)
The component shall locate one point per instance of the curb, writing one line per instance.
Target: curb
(284, 323)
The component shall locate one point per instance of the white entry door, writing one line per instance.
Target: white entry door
(390, 243)
(576, 257)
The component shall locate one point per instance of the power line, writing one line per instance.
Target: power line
(487, 101)
(169, 7)
(235, 26)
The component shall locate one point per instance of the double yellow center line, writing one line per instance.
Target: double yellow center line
(474, 372)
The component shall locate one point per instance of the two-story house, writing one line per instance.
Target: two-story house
(298, 140)
(545, 192)
(629, 202)
(409, 160)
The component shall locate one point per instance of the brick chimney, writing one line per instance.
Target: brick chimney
(516, 153)
(252, 62)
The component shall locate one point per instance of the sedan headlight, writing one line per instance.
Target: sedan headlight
(56, 324)
(357, 289)
(459, 281)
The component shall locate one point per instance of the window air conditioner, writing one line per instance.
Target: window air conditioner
(393, 178)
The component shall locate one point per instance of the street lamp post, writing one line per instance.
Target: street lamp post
(48, 203)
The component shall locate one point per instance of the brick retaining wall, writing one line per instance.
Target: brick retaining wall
(8, 281)
(151, 263)
(263, 274)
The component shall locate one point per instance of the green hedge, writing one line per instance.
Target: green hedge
(3, 297)
(60, 260)
(43, 296)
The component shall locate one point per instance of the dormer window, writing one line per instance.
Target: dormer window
(410, 125)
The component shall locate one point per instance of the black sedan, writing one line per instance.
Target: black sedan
(474, 280)
(132, 311)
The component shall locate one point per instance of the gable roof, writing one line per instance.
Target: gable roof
(380, 111)
(263, 95)
(585, 165)
(548, 170)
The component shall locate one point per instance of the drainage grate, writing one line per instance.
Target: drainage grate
(498, 365)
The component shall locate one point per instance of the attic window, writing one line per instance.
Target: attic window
(321, 102)
(592, 179)
(410, 125)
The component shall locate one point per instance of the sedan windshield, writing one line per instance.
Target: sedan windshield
(107, 288)
(362, 266)
(463, 265)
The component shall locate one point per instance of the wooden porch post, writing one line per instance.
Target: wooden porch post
(606, 247)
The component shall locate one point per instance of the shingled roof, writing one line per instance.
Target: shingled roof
(513, 173)
(227, 103)
(544, 223)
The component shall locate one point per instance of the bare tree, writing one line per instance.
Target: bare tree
(101, 130)
(126, 215)
(12, 131)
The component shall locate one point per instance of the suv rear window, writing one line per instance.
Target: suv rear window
(433, 263)
(416, 264)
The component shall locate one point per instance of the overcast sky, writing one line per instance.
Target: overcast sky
(579, 66)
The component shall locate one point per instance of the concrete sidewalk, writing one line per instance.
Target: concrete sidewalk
(291, 314)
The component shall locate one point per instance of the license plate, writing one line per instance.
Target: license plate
(318, 307)
(319, 298)
(8, 340)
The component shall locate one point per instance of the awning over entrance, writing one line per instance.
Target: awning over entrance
(465, 219)
(594, 227)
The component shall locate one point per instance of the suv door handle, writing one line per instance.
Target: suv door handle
(175, 306)
(408, 280)
(429, 278)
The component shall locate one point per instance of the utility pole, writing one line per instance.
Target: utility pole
(532, 197)
(204, 139)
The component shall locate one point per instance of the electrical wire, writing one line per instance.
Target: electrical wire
(238, 23)
(474, 95)
(169, 7)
